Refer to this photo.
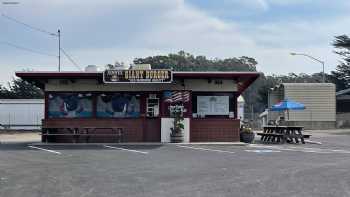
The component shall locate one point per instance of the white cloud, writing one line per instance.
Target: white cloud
(100, 33)
(263, 4)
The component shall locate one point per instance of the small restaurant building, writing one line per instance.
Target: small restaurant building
(137, 103)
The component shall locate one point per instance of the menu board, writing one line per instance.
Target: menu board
(213, 105)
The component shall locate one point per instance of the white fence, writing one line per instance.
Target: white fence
(21, 113)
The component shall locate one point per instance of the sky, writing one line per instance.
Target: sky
(101, 32)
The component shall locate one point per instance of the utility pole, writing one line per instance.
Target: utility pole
(59, 50)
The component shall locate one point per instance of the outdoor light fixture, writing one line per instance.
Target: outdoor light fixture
(315, 59)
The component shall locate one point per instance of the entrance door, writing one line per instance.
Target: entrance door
(152, 121)
(152, 130)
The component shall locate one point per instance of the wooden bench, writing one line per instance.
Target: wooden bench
(84, 131)
(283, 134)
(271, 137)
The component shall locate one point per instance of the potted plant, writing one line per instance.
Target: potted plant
(176, 135)
(246, 134)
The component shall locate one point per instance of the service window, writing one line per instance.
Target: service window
(152, 106)
(69, 105)
(118, 105)
(213, 105)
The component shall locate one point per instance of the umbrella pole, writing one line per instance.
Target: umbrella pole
(288, 113)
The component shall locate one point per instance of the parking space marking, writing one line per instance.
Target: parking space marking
(313, 142)
(205, 149)
(302, 149)
(47, 150)
(130, 150)
(263, 151)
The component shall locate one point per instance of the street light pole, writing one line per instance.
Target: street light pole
(315, 59)
(59, 50)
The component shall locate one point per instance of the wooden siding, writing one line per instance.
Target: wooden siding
(319, 100)
(132, 128)
(214, 130)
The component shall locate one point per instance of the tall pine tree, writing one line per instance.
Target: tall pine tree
(341, 76)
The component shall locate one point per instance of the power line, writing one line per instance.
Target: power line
(28, 26)
(27, 49)
(70, 59)
(45, 32)
(10, 2)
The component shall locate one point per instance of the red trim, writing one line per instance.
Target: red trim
(100, 74)
(59, 74)
(243, 79)
(214, 74)
(46, 107)
(235, 105)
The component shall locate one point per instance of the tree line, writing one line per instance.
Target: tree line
(255, 96)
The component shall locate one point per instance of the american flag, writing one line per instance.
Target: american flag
(178, 96)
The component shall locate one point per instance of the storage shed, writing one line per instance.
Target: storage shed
(21, 113)
(318, 98)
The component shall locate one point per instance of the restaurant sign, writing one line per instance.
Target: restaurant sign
(138, 76)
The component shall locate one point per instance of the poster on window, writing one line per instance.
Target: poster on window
(119, 105)
(70, 105)
(213, 105)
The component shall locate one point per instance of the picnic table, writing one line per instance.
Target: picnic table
(282, 134)
(77, 132)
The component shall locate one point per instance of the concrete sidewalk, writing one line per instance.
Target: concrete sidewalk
(142, 143)
(34, 137)
(17, 137)
(320, 133)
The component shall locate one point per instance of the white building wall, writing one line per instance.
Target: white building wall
(318, 98)
(167, 123)
(21, 113)
(187, 84)
(240, 107)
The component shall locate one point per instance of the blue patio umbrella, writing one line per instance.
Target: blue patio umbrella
(287, 105)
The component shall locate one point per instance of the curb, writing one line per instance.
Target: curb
(16, 142)
(141, 144)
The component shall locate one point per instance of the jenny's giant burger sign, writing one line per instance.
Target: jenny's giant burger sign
(138, 76)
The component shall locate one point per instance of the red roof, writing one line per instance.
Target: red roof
(39, 78)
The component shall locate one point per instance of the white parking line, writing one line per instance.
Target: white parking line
(313, 142)
(131, 150)
(51, 151)
(205, 149)
(302, 149)
(263, 151)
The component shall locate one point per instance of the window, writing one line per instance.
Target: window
(70, 105)
(213, 104)
(118, 105)
(152, 107)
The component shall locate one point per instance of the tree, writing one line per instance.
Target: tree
(20, 89)
(116, 65)
(256, 95)
(183, 61)
(341, 76)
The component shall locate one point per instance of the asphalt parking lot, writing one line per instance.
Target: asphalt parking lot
(176, 170)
